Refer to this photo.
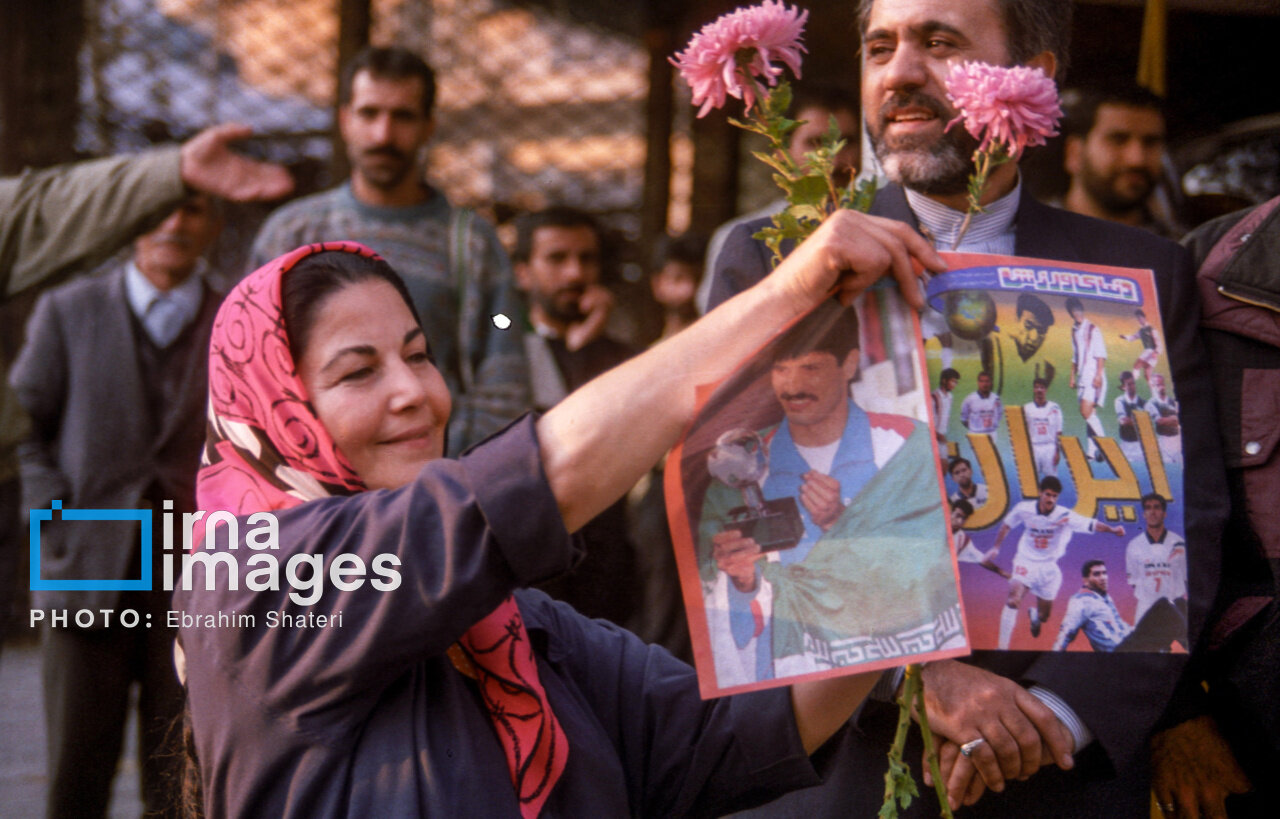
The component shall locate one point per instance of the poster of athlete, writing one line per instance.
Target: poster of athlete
(1058, 425)
(807, 509)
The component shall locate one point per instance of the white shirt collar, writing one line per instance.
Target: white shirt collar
(141, 292)
(990, 231)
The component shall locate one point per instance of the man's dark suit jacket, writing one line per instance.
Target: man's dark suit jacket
(1119, 697)
(95, 445)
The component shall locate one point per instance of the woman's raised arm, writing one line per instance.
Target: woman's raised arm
(597, 442)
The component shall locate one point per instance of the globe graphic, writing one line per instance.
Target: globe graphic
(970, 313)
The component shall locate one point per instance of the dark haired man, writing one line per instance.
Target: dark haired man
(981, 411)
(558, 259)
(1145, 335)
(995, 704)
(1047, 529)
(1113, 149)
(1044, 425)
(451, 260)
(967, 489)
(1025, 338)
(1093, 610)
(1156, 561)
(805, 609)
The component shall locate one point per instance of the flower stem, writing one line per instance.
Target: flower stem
(930, 752)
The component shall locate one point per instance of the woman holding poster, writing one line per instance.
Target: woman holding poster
(454, 687)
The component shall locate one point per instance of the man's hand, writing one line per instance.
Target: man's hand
(851, 251)
(1021, 734)
(736, 556)
(209, 165)
(1194, 770)
(1097, 379)
(820, 494)
(596, 304)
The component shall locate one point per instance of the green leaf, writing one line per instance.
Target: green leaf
(783, 166)
(810, 189)
(865, 196)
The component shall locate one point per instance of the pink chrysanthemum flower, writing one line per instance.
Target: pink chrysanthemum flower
(760, 34)
(1016, 107)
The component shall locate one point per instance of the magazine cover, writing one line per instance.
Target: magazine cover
(1058, 423)
(807, 509)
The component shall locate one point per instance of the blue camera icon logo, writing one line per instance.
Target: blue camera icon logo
(38, 516)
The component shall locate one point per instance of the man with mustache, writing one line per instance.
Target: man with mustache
(450, 258)
(1030, 724)
(770, 613)
(558, 261)
(1114, 145)
(114, 376)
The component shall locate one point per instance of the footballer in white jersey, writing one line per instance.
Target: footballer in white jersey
(1088, 371)
(1156, 561)
(981, 411)
(1044, 424)
(1047, 529)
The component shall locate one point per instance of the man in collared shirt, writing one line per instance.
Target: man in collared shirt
(114, 377)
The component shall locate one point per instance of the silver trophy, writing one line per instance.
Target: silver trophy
(739, 459)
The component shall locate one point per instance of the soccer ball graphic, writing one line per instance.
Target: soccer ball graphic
(970, 313)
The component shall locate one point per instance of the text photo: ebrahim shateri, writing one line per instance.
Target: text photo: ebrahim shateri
(808, 515)
(1062, 454)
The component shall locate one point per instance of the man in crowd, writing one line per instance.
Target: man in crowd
(60, 220)
(1046, 530)
(559, 258)
(1044, 425)
(1062, 701)
(981, 410)
(450, 258)
(1195, 769)
(814, 105)
(1113, 148)
(114, 378)
(850, 472)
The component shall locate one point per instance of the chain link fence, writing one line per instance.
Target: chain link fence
(533, 108)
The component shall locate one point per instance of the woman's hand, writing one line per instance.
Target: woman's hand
(853, 251)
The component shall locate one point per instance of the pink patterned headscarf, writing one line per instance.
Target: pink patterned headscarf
(267, 450)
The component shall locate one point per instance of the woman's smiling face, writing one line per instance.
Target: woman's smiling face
(373, 386)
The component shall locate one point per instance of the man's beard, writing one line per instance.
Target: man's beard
(383, 175)
(941, 168)
(1101, 188)
(562, 305)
